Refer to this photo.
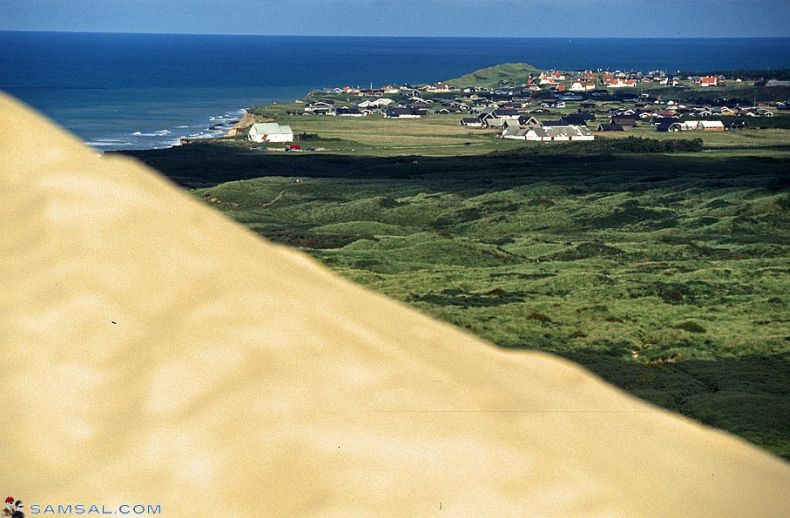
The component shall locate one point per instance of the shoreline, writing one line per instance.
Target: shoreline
(214, 126)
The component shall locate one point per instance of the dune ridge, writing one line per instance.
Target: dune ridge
(157, 352)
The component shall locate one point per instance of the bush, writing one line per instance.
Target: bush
(608, 146)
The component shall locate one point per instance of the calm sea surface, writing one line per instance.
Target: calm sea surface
(132, 91)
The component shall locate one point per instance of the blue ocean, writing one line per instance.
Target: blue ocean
(137, 91)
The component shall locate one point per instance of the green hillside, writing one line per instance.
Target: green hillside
(514, 73)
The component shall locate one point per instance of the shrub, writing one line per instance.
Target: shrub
(691, 327)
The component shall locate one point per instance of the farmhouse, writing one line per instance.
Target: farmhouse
(270, 132)
(708, 81)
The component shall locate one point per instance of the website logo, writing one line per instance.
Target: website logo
(13, 508)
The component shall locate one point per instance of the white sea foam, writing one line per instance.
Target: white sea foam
(160, 133)
(108, 143)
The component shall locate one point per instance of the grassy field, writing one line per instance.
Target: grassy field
(665, 274)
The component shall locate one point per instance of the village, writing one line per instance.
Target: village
(546, 106)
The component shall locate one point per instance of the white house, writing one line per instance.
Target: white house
(270, 132)
(579, 86)
(515, 134)
(557, 133)
(377, 103)
(701, 126)
(711, 125)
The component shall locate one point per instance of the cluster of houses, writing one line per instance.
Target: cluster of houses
(516, 125)
(511, 109)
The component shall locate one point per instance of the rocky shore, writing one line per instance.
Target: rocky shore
(247, 120)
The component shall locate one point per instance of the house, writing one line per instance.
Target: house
(580, 86)
(708, 81)
(623, 120)
(612, 127)
(471, 122)
(404, 113)
(419, 102)
(270, 132)
(578, 118)
(703, 112)
(503, 113)
(558, 133)
(711, 125)
(527, 120)
(537, 134)
(351, 112)
(439, 87)
(669, 126)
(699, 126)
(376, 103)
(320, 108)
(664, 120)
(516, 134)
(497, 123)
(619, 82)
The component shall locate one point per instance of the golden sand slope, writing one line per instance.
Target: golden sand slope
(154, 351)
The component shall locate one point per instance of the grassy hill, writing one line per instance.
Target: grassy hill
(666, 276)
(514, 73)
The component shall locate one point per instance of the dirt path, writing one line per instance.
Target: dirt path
(275, 200)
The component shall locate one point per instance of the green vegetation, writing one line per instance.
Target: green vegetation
(665, 274)
(629, 144)
(514, 73)
(659, 261)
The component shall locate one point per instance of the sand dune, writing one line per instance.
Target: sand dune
(156, 352)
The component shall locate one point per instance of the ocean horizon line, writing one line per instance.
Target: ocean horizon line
(371, 36)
